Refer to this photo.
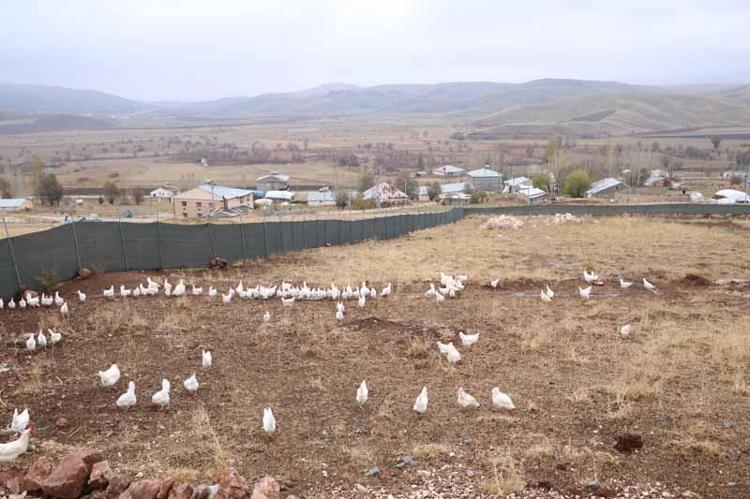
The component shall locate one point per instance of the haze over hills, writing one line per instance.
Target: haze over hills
(540, 107)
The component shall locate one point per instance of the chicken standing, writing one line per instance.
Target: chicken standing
(10, 451)
(19, 421)
(420, 405)
(269, 421)
(127, 399)
(206, 358)
(191, 384)
(109, 377)
(362, 393)
(468, 340)
(500, 400)
(465, 400)
(161, 398)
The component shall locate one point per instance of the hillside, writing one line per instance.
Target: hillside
(60, 100)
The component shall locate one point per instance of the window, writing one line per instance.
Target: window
(184, 215)
(210, 206)
(184, 203)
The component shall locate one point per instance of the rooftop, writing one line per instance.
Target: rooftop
(225, 192)
(453, 188)
(603, 185)
(274, 175)
(484, 173)
(12, 203)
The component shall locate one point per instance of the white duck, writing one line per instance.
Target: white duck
(465, 400)
(269, 421)
(288, 302)
(340, 307)
(362, 393)
(22, 303)
(2, 304)
(585, 293)
(125, 292)
(191, 384)
(54, 338)
(10, 451)
(431, 292)
(227, 298)
(81, 296)
(19, 421)
(41, 340)
(420, 405)
(127, 399)
(161, 398)
(11, 304)
(110, 292)
(468, 340)
(361, 301)
(649, 286)
(549, 292)
(206, 359)
(110, 377)
(439, 298)
(500, 400)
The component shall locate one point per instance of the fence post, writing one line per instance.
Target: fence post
(242, 232)
(122, 244)
(12, 253)
(265, 237)
(211, 240)
(75, 242)
(158, 240)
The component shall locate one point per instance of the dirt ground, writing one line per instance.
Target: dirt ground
(680, 380)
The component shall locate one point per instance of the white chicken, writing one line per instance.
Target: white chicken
(110, 377)
(179, 289)
(544, 296)
(362, 393)
(58, 299)
(625, 330)
(10, 451)
(11, 304)
(54, 338)
(439, 298)
(206, 359)
(196, 291)
(500, 400)
(267, 316)
(191, 384)
(81, 296)
(420, 405)
(227, 298)
(340, 307)
(649, 286)
(125, 292)
(494, 283)
(468, 340)
(30, 343)
(64, 310)
(625, 284)
(2, 304)
(549, 292)
(585, 293)
(32, 301)
(127, 399)
(465, 400)
(386, 291)
(288, 302)
(41, 340)
(431, 292)
(590, 277)
(110, 292)
(161, 398)
(339, 315)
(19, 421)
(22, 303)
(212, 292)
(444, 348)
(269, 421)
(361, 301)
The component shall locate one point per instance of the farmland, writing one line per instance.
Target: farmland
(680, 380)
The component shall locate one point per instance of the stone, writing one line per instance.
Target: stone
(181, 491)
(373, 472)
(166, 486)
(206, 491)
(142, 489)
(84, 273)
(628, 442)
(32, 481)
(593, 486)
(62, 423)
(101, 473)
(67, 479)
(266, 488)
(117, 485)
(89, 456)
(404, 460)
(234, 486)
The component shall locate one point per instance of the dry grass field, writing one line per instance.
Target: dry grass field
(681, 380)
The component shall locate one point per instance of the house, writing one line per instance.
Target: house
(273, 182)
(532, 194)
(516, 183)
(200, 201)
(15, 204)
(448, 171)
(161, 193)
(423, 193)
(485, 179)
(321, 197)
(731, 196)
(384, 194)
(451, 189)
(655, 179)
(280, 196)
(605, 186)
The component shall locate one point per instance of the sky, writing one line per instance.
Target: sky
(201, 50)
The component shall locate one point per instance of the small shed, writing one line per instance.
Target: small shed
(655, 179)
(448, 171)
(516, 183)
(161, 193)
(532, 194)
(321, 197)
(15, 204)
(384, 194)
(274, 181)
(731, 196)
(605, 186)
(485, 179)
(452, 189)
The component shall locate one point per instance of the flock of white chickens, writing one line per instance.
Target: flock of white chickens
(449, 287)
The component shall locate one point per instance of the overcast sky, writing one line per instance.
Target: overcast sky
(192, 50)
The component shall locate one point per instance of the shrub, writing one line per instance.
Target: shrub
(478, 197)
(541, 182)
(48, 279)
(433, 191)
(577, 183)
(360, 203)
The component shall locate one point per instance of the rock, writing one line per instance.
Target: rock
(373, 472)
(117, 485)
(181, 491)
(266, 488)
(32, 481)
(166, 487)
(62, 423)
(545, 484)
(467, 441)
(233, 486)
(728, 425)
(628, 442)
(404, 460)
(593, 486)
(606, 492)
(67, 479)
(142, 489)
(98, 494)
(10, 480)
(84, 273)
(100, 476)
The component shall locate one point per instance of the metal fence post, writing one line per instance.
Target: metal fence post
(12, 253)
(122, 244)
(75, 242)
(265, 237)
(242, 232)
(158, 240)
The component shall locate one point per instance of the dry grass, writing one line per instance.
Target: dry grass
(507, 479)
(430, 452)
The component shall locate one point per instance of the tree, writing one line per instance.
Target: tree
(49, 190)
(111, 192)
(715, 141)
(5, 189)
(407, 184)
(366, 180)
(541, 182)
(577, 183)
(550, 150)
(342, 199)
(138, 195)
(434, 191)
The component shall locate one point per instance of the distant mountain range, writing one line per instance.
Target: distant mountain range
(539, 107)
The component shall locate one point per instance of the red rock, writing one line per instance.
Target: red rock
(142, 489)
(67, 478)
(62, 423)
(101, 473)
(117, 485)
(166, 486)
(32, 481)
(266, 488)
(181, 491)
(98, 494)
(88, 456)
(84, 273)
(233, 486)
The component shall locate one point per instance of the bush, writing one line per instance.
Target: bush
(577, 183)
(541, 182)
(342, 199)
(360, 203)
(434, 191)
(48, 279)
(478, 197)
(111, 192)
